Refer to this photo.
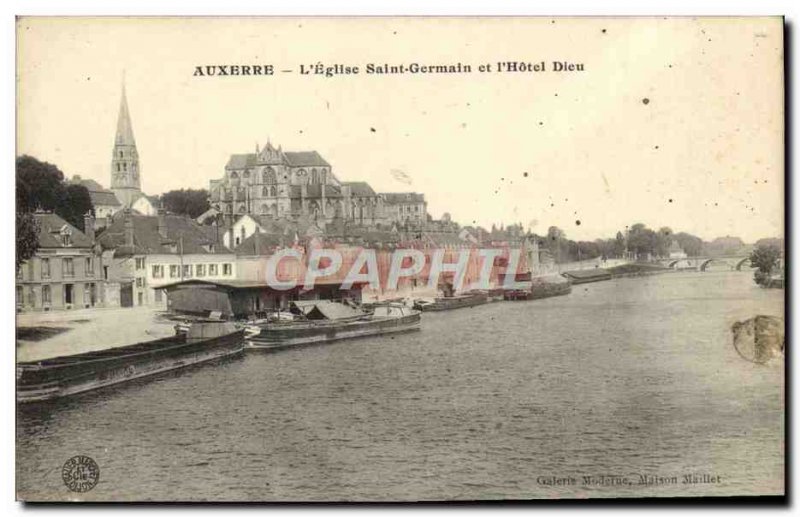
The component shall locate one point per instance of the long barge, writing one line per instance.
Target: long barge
(459, 301)
(68, 375)
(585, 276)
(326, 321)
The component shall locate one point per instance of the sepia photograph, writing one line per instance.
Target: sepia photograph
(399, 259)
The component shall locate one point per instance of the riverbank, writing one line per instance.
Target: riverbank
(637, 269)
(42, 335)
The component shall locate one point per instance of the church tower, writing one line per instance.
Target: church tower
(125, 160)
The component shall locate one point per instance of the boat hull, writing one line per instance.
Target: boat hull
(446, 304)
(284, 336)
(40, 384)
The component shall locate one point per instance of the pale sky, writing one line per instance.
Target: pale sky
(703, 155)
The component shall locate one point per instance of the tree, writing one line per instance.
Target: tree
(663, 241)
(77, 204)
(27, 237)
(642, 240)
(619, 245)
(190, 202)
(41, 186)
(691, 244)
(765, 259)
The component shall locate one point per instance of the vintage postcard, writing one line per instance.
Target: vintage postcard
(399, 259)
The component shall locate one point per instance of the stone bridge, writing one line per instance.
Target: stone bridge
(734, 263)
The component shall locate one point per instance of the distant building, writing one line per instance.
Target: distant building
(405, 206)
(675, 251)
(104, 201)
(125, 167)
(290, 185)
(144, 252)
(65, 272)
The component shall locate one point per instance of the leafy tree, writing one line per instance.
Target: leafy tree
(663, 241)
(722, 246)
(190, 202)
(765, 259)
(77, 204)
(619, 245)
(642, 240)
(691, 244)
(27, 237)
(41, 186)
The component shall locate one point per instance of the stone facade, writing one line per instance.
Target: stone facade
(66, 271)
(291, 185)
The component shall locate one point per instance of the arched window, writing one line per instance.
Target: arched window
(273, 191)
(269, 176)
(324, 177)
(120, 153)
(234, 175)
(264, 191)
(246, 174)
(118, 168)
(264, 209)
(125, 166)
(314, 177)
(242, 209)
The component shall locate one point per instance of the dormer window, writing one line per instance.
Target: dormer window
(66, 236)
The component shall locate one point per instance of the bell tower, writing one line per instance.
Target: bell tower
(125, 181)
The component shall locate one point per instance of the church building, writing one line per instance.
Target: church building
(125, 170)
(288, 185)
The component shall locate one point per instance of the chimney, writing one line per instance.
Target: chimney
(88, 225)
(128, 228)
(257, 241)
(162, 223)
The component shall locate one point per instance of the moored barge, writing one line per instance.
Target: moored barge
(323, 321)
(585, 276)
(67, 375)
(458, 301)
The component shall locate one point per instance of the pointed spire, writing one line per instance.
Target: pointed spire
(124, 126)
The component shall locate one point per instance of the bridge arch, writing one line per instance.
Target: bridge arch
(741, 263)
(705, 263)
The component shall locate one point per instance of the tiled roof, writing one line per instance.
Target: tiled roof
(240, 161)
(262, 244)
(305, 159)
(50, 226)
(99, 195)
(183, 235)
(404, 197)
(294, 159)
(360, 188)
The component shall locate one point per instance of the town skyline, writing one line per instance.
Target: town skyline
(446, 146)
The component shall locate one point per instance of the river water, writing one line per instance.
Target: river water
(620, 379)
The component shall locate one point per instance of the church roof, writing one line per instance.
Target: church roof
(124, 126)
(360, 188)
(240, 161)
(293, 159)
(99, 195)
(305, 159)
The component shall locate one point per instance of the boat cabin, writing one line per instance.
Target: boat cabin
(241, 299)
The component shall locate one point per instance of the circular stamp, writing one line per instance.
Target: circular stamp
(80, 473)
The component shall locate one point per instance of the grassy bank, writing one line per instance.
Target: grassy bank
(637, 268)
